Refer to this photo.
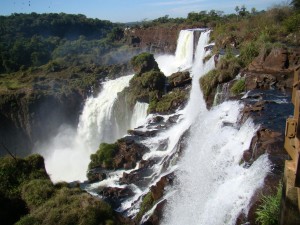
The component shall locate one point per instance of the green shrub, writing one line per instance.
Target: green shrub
(238, 86)
(208, 82)
(71, 206)
(249, 50)
(15, 172)
(269, 211)
(144, 62)
(37, 192)
(104, 155)
(174, 98)
(291, 24)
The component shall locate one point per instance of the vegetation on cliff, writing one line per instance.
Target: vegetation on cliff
(249, 35)
(29, 197)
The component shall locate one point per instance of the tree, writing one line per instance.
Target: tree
(237, 9)
(296, 4)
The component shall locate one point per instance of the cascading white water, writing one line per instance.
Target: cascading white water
(67, 155)
(97, 122)
(185, 48)
(139, 114)
(183, 59)
(213, 188)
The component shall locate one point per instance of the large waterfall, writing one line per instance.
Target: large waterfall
(212, 185)
(67, 155)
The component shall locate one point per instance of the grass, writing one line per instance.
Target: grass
(269, 211)
(167, 102)
(238, 87)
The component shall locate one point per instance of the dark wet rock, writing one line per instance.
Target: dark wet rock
(114, 195)
(158, 189)
(163, 145)
(268, 108)
(256, 107)
(140, 133)
(126, 152)
(156, 119)
(157, 215)
(129, 178)
(265, 141)
(179, 79)
(173, 119)
(146, 163)
(95, 176)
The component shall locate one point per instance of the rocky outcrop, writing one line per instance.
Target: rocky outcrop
(124, 154)
(157, 39)
(28, 117)
(153, 39)
(278, 60)
(179, 79)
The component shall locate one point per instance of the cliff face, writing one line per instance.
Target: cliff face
(30, 117)
(156, 40)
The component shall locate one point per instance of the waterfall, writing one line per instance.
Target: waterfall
(185, 49)
(139, 114)
(67, 155)
(97, 122)
(183, 58)
(212, 185)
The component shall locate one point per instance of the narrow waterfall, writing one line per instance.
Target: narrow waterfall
(67, 154)
(139, 114)
(185, 48)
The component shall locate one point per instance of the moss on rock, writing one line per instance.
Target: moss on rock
(144, 62)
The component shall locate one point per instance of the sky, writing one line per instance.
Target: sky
(130, 10)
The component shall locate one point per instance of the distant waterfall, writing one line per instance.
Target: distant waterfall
(185, 49)
(183, 58)
(67, 155)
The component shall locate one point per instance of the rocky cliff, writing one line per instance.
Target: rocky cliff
(30, 117)
(157, 39)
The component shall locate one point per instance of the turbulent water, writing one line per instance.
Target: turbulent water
(67, 155)
(212, 185)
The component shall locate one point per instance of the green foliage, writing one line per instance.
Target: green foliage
(249, 50)
(36, 192)
(169, 101)
(153, 80)
(147, 203)
(238, 86)
(228, 67)
(292, 23)
(71, 206)
(14, 173)
(208, 82)
(268, 212)
(103, 156)
(144, 62)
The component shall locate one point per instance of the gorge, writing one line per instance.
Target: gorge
(183, 138)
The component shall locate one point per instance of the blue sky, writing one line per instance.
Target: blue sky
(129, 10)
